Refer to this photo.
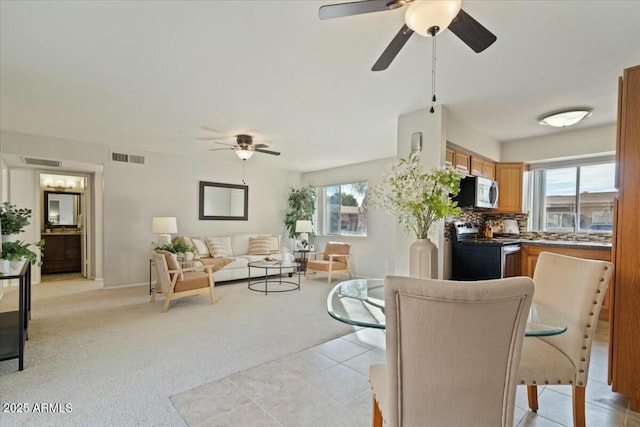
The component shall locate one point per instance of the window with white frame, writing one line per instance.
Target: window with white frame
(563, 194)
(342, 211)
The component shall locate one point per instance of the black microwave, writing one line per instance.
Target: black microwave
(477, 192)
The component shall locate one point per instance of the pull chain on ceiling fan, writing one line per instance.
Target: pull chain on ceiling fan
(425, 17)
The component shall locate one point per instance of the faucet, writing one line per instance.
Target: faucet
(573, 225)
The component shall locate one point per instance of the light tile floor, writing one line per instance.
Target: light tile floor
(327, 385)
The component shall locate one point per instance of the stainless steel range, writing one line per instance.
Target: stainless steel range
(478, 258)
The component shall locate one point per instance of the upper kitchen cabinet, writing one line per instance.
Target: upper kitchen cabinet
(509, 177)
(458, 157)
(469, 162)
(481, 166)
(624, 362)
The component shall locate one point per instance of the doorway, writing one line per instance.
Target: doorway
(65, 218)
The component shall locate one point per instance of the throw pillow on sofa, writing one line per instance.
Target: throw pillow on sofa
(219, 246)
(260, 245)
(201, 246)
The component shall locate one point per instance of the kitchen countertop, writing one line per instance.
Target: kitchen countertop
(567, 243)
(61, 233)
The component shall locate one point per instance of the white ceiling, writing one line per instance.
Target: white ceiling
(149, 74)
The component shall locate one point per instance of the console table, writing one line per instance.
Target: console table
(14, 324)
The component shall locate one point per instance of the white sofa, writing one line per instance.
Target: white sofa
(237, 248)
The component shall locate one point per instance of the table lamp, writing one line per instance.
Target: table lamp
(304, 227)
(164, 226)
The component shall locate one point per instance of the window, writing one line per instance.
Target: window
(566, 194)
(342, 210)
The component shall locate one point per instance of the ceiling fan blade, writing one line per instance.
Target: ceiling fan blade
(224, 143)
(471, 32)
(274, 153)
(260, 145)
(392, 50)
(339, 10)
(218, 149)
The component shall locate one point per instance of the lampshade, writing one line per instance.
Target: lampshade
(246, 152)
(164, 226)
(566, 118)
(304, 226)
(423, 15)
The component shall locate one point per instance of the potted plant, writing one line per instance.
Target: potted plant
(18, 250)
(418, 199)
(301, 204)
(13, 220)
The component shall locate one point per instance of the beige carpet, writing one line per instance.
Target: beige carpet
(116, 359)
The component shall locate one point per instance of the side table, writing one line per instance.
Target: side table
(304, 253)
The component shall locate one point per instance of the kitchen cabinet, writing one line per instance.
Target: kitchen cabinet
(458, 157)
(509, 177)
(483, 167)
(624, 345)
(62, 253)
(530, 253)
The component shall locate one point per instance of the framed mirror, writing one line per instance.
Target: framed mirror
(219, 201)
(62, 209)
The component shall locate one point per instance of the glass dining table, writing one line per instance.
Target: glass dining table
(360, 302)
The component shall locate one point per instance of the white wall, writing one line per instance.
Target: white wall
(568, 143)
(372, 256)
(166, 185)
(465, 136)
(432, 126)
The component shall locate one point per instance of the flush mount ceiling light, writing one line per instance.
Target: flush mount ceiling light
(562, 119)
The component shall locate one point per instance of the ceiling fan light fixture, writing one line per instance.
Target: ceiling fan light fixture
(245, 152)
(421, 16)
(562, 119)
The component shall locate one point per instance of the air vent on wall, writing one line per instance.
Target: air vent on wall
(42, 162)
(127, 158)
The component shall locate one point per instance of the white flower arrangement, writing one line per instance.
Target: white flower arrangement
(416, 198)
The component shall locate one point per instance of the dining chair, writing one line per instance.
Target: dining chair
(177, 282)
(573, 289)
(335, 258)
(452, 352)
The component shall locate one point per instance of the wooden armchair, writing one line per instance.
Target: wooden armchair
(334, 258)
(178, 282)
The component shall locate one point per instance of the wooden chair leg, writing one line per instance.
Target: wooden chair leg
(377, 414)
(578, 406)
(165, 306)
(532, 394)
(329, 277)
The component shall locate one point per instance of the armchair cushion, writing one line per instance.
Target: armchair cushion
(192, 280)
(172, 260)
(334, 248)
(323, 265)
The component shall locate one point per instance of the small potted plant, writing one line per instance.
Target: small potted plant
(13, 219)
(48, 226)
(19, 250)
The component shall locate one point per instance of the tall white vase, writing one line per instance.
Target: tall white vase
(423, 259)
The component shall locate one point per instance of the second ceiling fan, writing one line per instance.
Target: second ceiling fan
(244, 146)
(425, 17)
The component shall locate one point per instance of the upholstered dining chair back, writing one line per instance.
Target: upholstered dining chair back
(573, 289)
(452, 351)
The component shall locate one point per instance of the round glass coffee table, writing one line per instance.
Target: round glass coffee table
(273, 275)
(360, 302)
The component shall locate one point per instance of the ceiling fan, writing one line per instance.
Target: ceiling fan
(244, 146)
(425, 17)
